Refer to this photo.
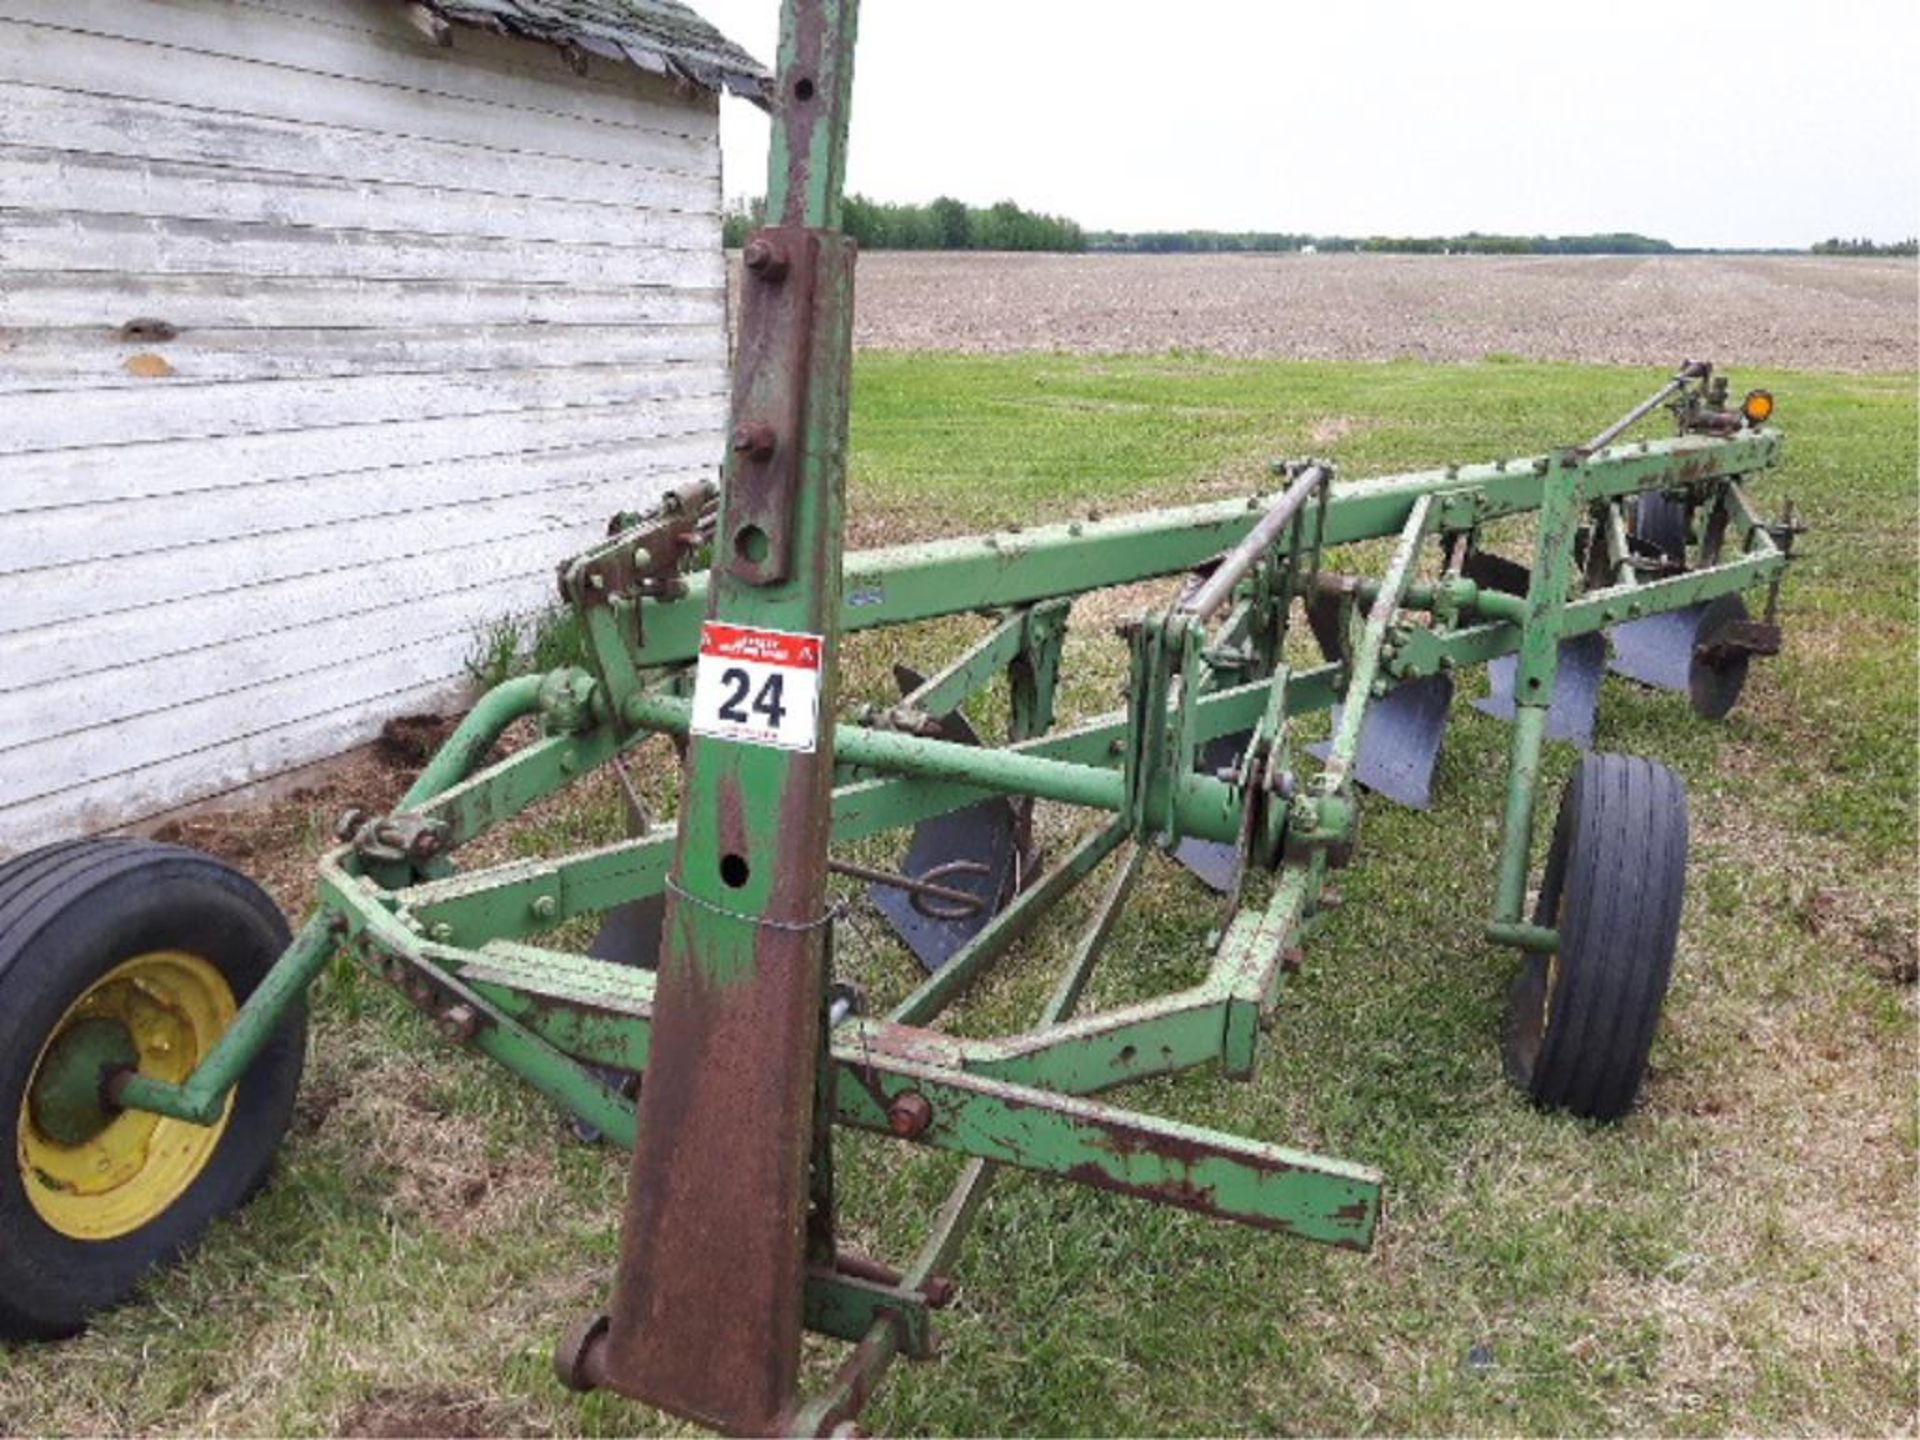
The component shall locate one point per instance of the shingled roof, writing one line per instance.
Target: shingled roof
(663, 37)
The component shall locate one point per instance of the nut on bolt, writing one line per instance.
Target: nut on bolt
(755, 440)
(909, 1115)
(349, 823)
(765, 259)
(457, 1023)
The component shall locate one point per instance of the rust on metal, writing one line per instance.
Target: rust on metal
(724, 1143)
(909, 1115)
(772, 373)
(720, 1167)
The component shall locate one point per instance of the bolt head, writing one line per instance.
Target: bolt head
(765, 259)
(909, 1115)
(349, 823)
(457, 1024)
(755, 440)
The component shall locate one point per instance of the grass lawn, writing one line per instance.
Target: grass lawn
(1737, 1257)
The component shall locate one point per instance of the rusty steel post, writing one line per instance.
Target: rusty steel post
(707, 1308)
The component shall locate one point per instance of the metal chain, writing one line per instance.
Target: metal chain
(840, 909)
(833, 912)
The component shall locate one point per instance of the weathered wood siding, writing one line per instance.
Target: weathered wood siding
(430, 314)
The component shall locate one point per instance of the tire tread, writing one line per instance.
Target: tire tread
(1615, 884)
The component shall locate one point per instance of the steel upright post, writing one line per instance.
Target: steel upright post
(707, 1310)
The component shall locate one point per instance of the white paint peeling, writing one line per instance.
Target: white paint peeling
(425, 316)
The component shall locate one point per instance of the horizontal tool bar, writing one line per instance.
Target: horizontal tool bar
(945, 577)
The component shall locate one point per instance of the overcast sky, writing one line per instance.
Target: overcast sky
(1753, 123)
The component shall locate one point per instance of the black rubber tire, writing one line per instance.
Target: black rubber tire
(1662, 525)
(1615, 879)
(68, 914)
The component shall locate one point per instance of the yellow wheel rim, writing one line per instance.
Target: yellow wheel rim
(172, 1006)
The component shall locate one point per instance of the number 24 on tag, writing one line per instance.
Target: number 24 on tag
(760, 687)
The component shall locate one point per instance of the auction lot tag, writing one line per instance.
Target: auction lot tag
(761, 687)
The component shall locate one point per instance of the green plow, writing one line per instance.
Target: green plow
(708, 1031)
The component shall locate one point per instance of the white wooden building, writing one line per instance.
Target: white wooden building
(327, 328)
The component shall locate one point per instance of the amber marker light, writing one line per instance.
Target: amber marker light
(1757, 407)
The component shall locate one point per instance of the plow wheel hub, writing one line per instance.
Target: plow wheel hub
(94, 1173)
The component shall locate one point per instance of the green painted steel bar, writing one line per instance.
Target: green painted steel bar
(498, 1034)
(1524, 937)
(1563, 495)
(559, 1077)
(1516, 820)
(1086, 954)
(839, 1399)
(1619, 547)
(1110, 1048)
(1366, 656)
(1267, 1186)
(1497, 605)
(1422, 650)
(552, 991)
(202, 1098)
(474, 736)
(1044, 1130)
(978, 668)
(1251, 968)
(504, 789)
(1204, 805)
(833, 1409)
(1003, 771)
(903, 583)
(807, 153)
(944, 985)
(848, 1306)
(1253, 964)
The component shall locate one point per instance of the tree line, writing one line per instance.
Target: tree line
(1837, 246)
(943, 224)
(950, 224)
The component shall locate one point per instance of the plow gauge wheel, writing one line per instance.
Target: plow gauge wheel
(124, 955)
(1580, 1022)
